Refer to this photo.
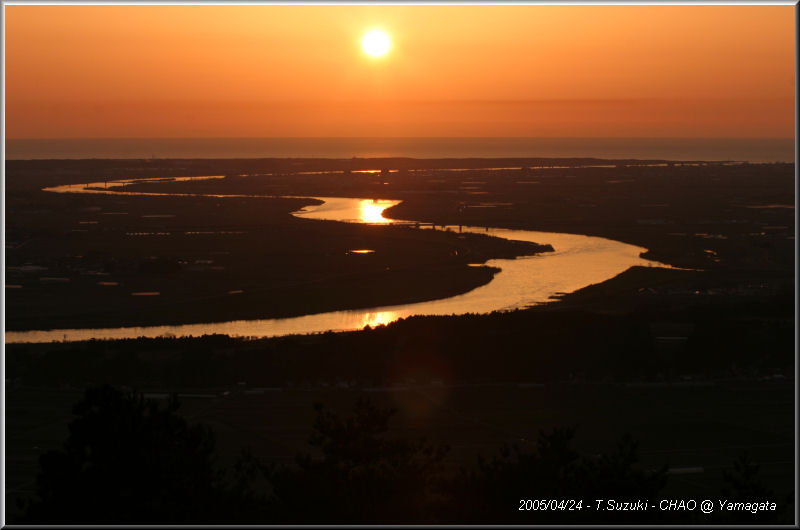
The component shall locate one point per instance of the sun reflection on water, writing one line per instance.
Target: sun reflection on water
(578, 261)
(378, 318)
(371, 211)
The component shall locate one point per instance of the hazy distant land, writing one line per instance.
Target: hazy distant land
(755, 150)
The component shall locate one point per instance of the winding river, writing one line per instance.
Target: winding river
(577, 261)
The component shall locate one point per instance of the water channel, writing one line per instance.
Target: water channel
(577, 261)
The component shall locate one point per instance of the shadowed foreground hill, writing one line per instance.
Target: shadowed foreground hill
(128, 460)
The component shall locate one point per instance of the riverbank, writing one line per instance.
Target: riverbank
(690, 215)
(696, 386)
(109, 261)
(102, 262)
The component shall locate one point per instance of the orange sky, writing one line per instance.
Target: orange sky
(238, 71)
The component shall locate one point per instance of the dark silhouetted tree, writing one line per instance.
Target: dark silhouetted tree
(550, 470)
(743, 484)
(360, 476)
(128, 460)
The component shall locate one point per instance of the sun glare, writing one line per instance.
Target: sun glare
(371, 211)
(380, 318)
(375, 43)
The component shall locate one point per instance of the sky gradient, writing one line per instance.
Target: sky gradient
(299, 71)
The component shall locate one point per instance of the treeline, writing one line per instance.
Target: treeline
(130, 460)
(520, 346)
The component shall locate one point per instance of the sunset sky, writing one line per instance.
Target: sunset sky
(284, 71)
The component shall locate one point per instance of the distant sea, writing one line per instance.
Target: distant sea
(706, 149)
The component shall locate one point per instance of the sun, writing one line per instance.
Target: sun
(376, 43)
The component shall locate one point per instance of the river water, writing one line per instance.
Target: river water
(577, 261)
